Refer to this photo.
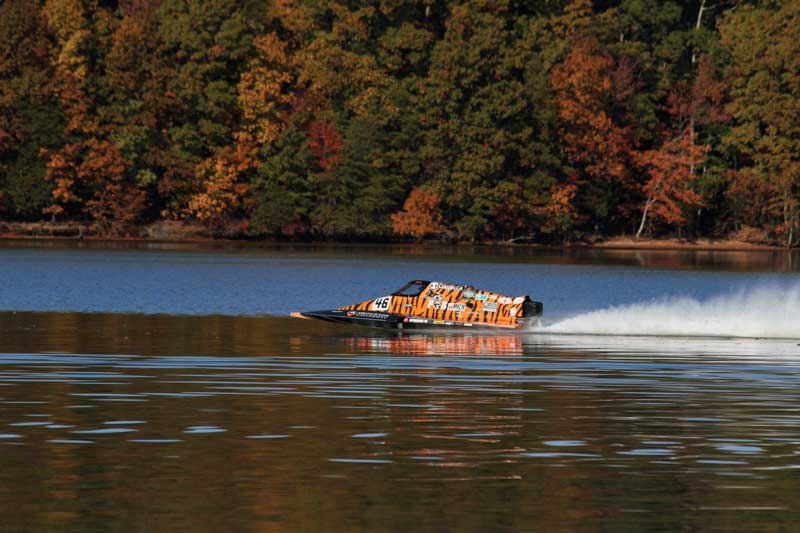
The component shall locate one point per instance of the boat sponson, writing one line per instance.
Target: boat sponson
(392, 321)
(364, 318)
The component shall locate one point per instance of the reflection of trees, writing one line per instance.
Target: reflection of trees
(116, 333)
(666, 257)
(227, 481)
(739, 260)
(456, 430)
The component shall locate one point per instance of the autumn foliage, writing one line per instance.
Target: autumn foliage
(471, 119)
(591, 89)
(669, 171)
(420, 216)
(325, 143)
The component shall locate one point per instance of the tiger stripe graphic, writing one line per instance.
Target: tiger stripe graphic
(447, 302)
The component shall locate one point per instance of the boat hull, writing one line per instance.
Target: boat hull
(393, 321)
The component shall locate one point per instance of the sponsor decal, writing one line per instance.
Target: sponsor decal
(438, 322)
(445, 286)
(407, 305)
(456, 307)
(469, 294)
(381, 304)
(490, 307)
(368, 314)
(468, 324)
(482, 297)
(504, 300)
(435, 302)
(417, 320)
(448, 323)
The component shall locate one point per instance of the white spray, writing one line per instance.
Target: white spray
(767, 312)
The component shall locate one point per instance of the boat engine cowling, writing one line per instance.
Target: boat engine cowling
(531, 308)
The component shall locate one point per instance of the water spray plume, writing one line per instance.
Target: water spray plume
(768, 312)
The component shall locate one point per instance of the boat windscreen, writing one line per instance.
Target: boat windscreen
(414, 288)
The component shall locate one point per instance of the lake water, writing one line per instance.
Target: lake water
(148, 389)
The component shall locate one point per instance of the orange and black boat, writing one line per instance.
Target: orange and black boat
(422, 304)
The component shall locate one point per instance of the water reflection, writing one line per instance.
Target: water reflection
(504, 344)
(86, 333)
(216, 423)
(766, 260)
(439, 343)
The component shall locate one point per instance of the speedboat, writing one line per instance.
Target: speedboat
(421, 304)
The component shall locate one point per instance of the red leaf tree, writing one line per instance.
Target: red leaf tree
(326, 143)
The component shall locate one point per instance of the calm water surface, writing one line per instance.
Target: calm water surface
(204, 279)
(184, 421)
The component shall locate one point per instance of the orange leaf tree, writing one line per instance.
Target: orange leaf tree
(592, 90)
(420, 216)
(91, 174)
(560, 213)
(669, 171)
(222, 190)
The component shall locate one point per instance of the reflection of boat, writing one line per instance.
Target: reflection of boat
(431, 304)
(544, 344)
(440, 343)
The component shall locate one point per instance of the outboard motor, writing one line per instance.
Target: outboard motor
(531, 309)
(531, 313)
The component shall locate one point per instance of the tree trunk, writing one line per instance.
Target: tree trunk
(790, 219)
(700, 15)
(691, 140)
(694, 61)
(647, 205)
(697, 27)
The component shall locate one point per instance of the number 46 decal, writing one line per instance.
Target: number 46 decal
(382, 304)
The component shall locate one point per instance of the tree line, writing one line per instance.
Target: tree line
(548, 120)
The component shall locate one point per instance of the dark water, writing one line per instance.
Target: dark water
(156, 422)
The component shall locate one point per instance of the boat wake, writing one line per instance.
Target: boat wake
(764, 312)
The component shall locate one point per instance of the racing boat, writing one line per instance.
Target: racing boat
(422, 304)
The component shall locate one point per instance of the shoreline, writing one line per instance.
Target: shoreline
(612, 244)
(672, 243)
(176, 232)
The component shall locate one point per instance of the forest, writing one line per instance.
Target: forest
(544, 121)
